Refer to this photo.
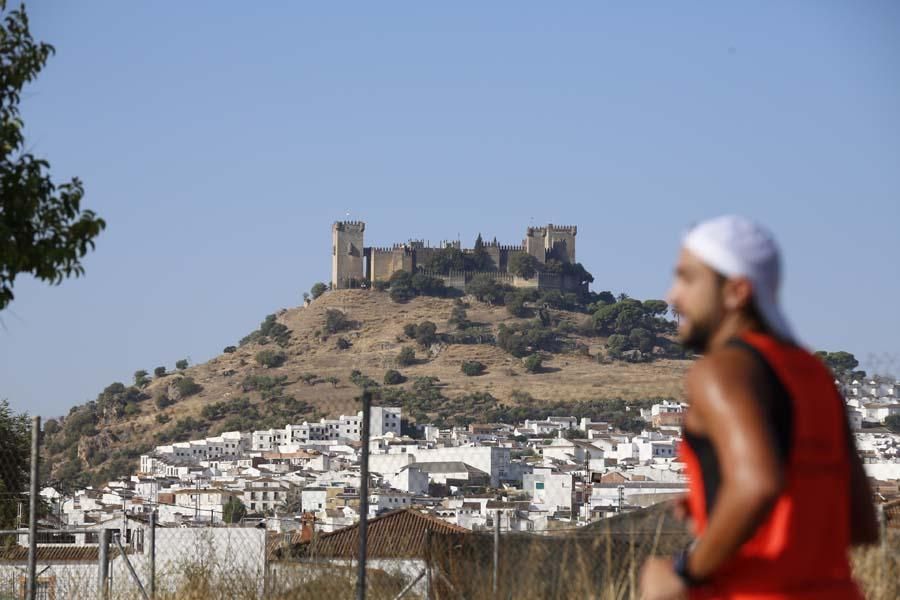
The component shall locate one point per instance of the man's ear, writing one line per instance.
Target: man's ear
(737, 293)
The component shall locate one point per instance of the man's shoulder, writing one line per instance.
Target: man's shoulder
(723, 367)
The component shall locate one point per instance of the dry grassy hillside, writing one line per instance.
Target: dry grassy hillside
(376, 340)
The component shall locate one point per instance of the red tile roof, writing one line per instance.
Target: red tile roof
(397, 534)
(51, 554)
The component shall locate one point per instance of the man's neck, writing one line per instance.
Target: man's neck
(733, 326)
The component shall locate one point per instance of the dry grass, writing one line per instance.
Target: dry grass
(596, 563)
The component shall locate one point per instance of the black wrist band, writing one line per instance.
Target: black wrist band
(680, 566)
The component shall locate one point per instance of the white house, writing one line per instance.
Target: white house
(549, 490)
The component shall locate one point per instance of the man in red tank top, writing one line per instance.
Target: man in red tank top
(777, 492)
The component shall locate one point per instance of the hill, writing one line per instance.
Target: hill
(314, 373)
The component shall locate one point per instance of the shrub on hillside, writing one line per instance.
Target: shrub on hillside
(342, 343)
(229, 349)
(318, 289)
(186, 386)
(472, 368)
(486, 289)
(425, 285)
(271, 358)
(405, 286)
(406, 357)
(182, 364)
(515, 304)
(524, 338)
(533, 363)
(458, 317)
(336, 321)
(269, 329)
(163, 400)
(641, 339)
(393, 377)
(426, 333)
(262, 383)
(362, 381)
(409, 330)
(159, 372)
(141, 378)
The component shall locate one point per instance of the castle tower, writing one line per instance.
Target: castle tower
(552, 241)
(560, 242)
(347, 254)
(534, 243)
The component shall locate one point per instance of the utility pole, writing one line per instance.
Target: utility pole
(496, 551)
(363, 495)
(32, 508)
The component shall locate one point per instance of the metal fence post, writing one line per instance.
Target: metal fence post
(496, 550)
(103, 567)
(363, 495)
(428, 564)
(152, 551)
(32, 509)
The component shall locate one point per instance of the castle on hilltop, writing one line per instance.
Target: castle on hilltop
(355, 265)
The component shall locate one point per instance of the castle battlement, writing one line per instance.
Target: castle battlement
(513, 248)
(570, 229)
(358, 226)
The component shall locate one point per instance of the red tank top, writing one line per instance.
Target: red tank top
(800, 549)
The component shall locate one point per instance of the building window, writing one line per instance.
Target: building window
(539, 485)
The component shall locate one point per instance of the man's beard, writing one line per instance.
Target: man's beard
(697, 338)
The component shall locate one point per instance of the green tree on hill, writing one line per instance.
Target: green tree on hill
(522, 264)
(233, 510)
(393, 377)
(271, 358)
(336, 321)
(481, 260)
(533, 363)
(472, 368)
(141, 378)
(486, 289)
(15, 450)
(841, 363)
(406, 357)
(657, 308)
(426, 333)
(318, 289)
(448, 259)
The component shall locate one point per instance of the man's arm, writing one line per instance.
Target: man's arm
(727, 395)
(863, 524)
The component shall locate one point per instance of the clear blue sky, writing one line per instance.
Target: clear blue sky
(220, 140)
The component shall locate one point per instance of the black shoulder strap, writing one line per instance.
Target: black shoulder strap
(777, 404)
